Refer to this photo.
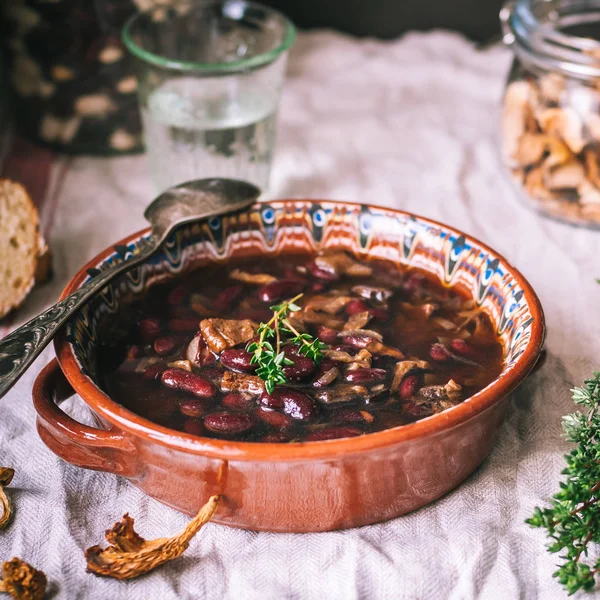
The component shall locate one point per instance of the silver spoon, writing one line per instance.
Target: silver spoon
(185, 203)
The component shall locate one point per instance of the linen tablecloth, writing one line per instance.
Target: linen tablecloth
(411, 124)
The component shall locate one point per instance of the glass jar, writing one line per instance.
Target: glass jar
(551, 108)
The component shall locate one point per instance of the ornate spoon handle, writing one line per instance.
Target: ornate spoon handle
(20, 348)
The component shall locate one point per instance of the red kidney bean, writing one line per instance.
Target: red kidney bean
(274, 400)
(318, 286)
(185, 381)
(193, 351)
(274, 438)
(365, 375)
(349, 415)
(355, 306)
(332, 432)
(345, 348)
(208, 358)
(320, 273)
(302, 368)
(463, 348)
(292, 351)
(194, 426)
(149, 329)
(237, 359)
(274, 418)
(415, 410)
(280, 290)
(439, 353)
(409, 387)
(133, 352)
(154, 370)
(235, 401)
(293, 403)
(225, 298)
(183, 325)
(327, 335)
(166, 345)
(357, 340)
(177, 295)
(193, 407)
(214, 373)
(379, 314)
(290, 272)
(229, 423)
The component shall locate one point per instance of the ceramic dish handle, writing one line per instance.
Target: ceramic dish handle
(74, 442)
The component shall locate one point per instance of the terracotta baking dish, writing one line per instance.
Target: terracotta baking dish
(313, 486)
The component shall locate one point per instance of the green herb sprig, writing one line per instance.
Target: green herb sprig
(573, 518)
(267, 353)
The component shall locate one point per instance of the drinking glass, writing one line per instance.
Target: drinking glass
(209, 78)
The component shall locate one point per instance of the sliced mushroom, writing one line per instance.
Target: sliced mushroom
(240, 382)
(372, 292)
(531, 148)
(564, 123)
(343, 392)
(331, 304)
(515, 117)
(341, 263)
(592, 123)
(404, 367)
(357, 321)
(376, 347)
(551, 85)
(569, 175)
(558, 153)
(251, 278)
(589, 195)
(361, 360)
(534, 184)
(449, 391)
(318, 318)
(592, 170)
(220, 334)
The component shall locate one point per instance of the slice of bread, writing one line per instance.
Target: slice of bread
(22, 247)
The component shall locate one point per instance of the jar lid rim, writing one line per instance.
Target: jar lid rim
(534, 30)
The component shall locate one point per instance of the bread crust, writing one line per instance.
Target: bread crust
(33, 266)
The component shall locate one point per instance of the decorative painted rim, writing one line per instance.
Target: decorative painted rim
(511, 376)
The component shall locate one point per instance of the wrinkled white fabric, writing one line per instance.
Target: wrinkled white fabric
(409, 124)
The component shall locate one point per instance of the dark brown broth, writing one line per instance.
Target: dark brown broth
(408, 329)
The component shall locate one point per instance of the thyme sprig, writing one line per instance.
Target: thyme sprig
(573, 518)
(267, 351)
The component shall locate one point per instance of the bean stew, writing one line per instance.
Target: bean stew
(297, 348)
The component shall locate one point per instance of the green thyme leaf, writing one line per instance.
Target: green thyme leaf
(572, 520)
(269, 356)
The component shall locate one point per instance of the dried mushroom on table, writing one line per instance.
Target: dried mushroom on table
(551, 144)
(6, 476)
(21, 581)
